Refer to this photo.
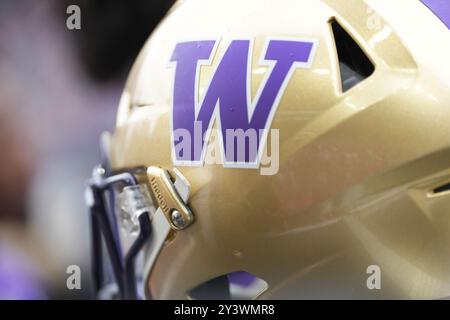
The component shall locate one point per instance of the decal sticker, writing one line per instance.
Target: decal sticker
(227, 98)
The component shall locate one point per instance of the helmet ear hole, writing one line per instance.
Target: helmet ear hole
(238, 285)
(354, 64)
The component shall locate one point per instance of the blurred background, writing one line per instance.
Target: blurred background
(59, 90)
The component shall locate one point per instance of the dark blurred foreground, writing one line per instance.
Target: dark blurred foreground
(59, 90)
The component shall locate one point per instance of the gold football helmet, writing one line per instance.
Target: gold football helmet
(281, 149)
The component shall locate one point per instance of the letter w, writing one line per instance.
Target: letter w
(228, 96)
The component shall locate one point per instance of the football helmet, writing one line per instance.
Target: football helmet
(281, 149)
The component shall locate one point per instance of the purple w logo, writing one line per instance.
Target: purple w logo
(228, 97)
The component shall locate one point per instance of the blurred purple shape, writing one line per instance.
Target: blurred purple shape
(17, 279)
(241, 278)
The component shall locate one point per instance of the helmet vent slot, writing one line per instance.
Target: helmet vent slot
(442, 188)
(239, 285)
(354, 64)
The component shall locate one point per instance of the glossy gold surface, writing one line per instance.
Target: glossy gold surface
(357, 169)
(167, 198)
